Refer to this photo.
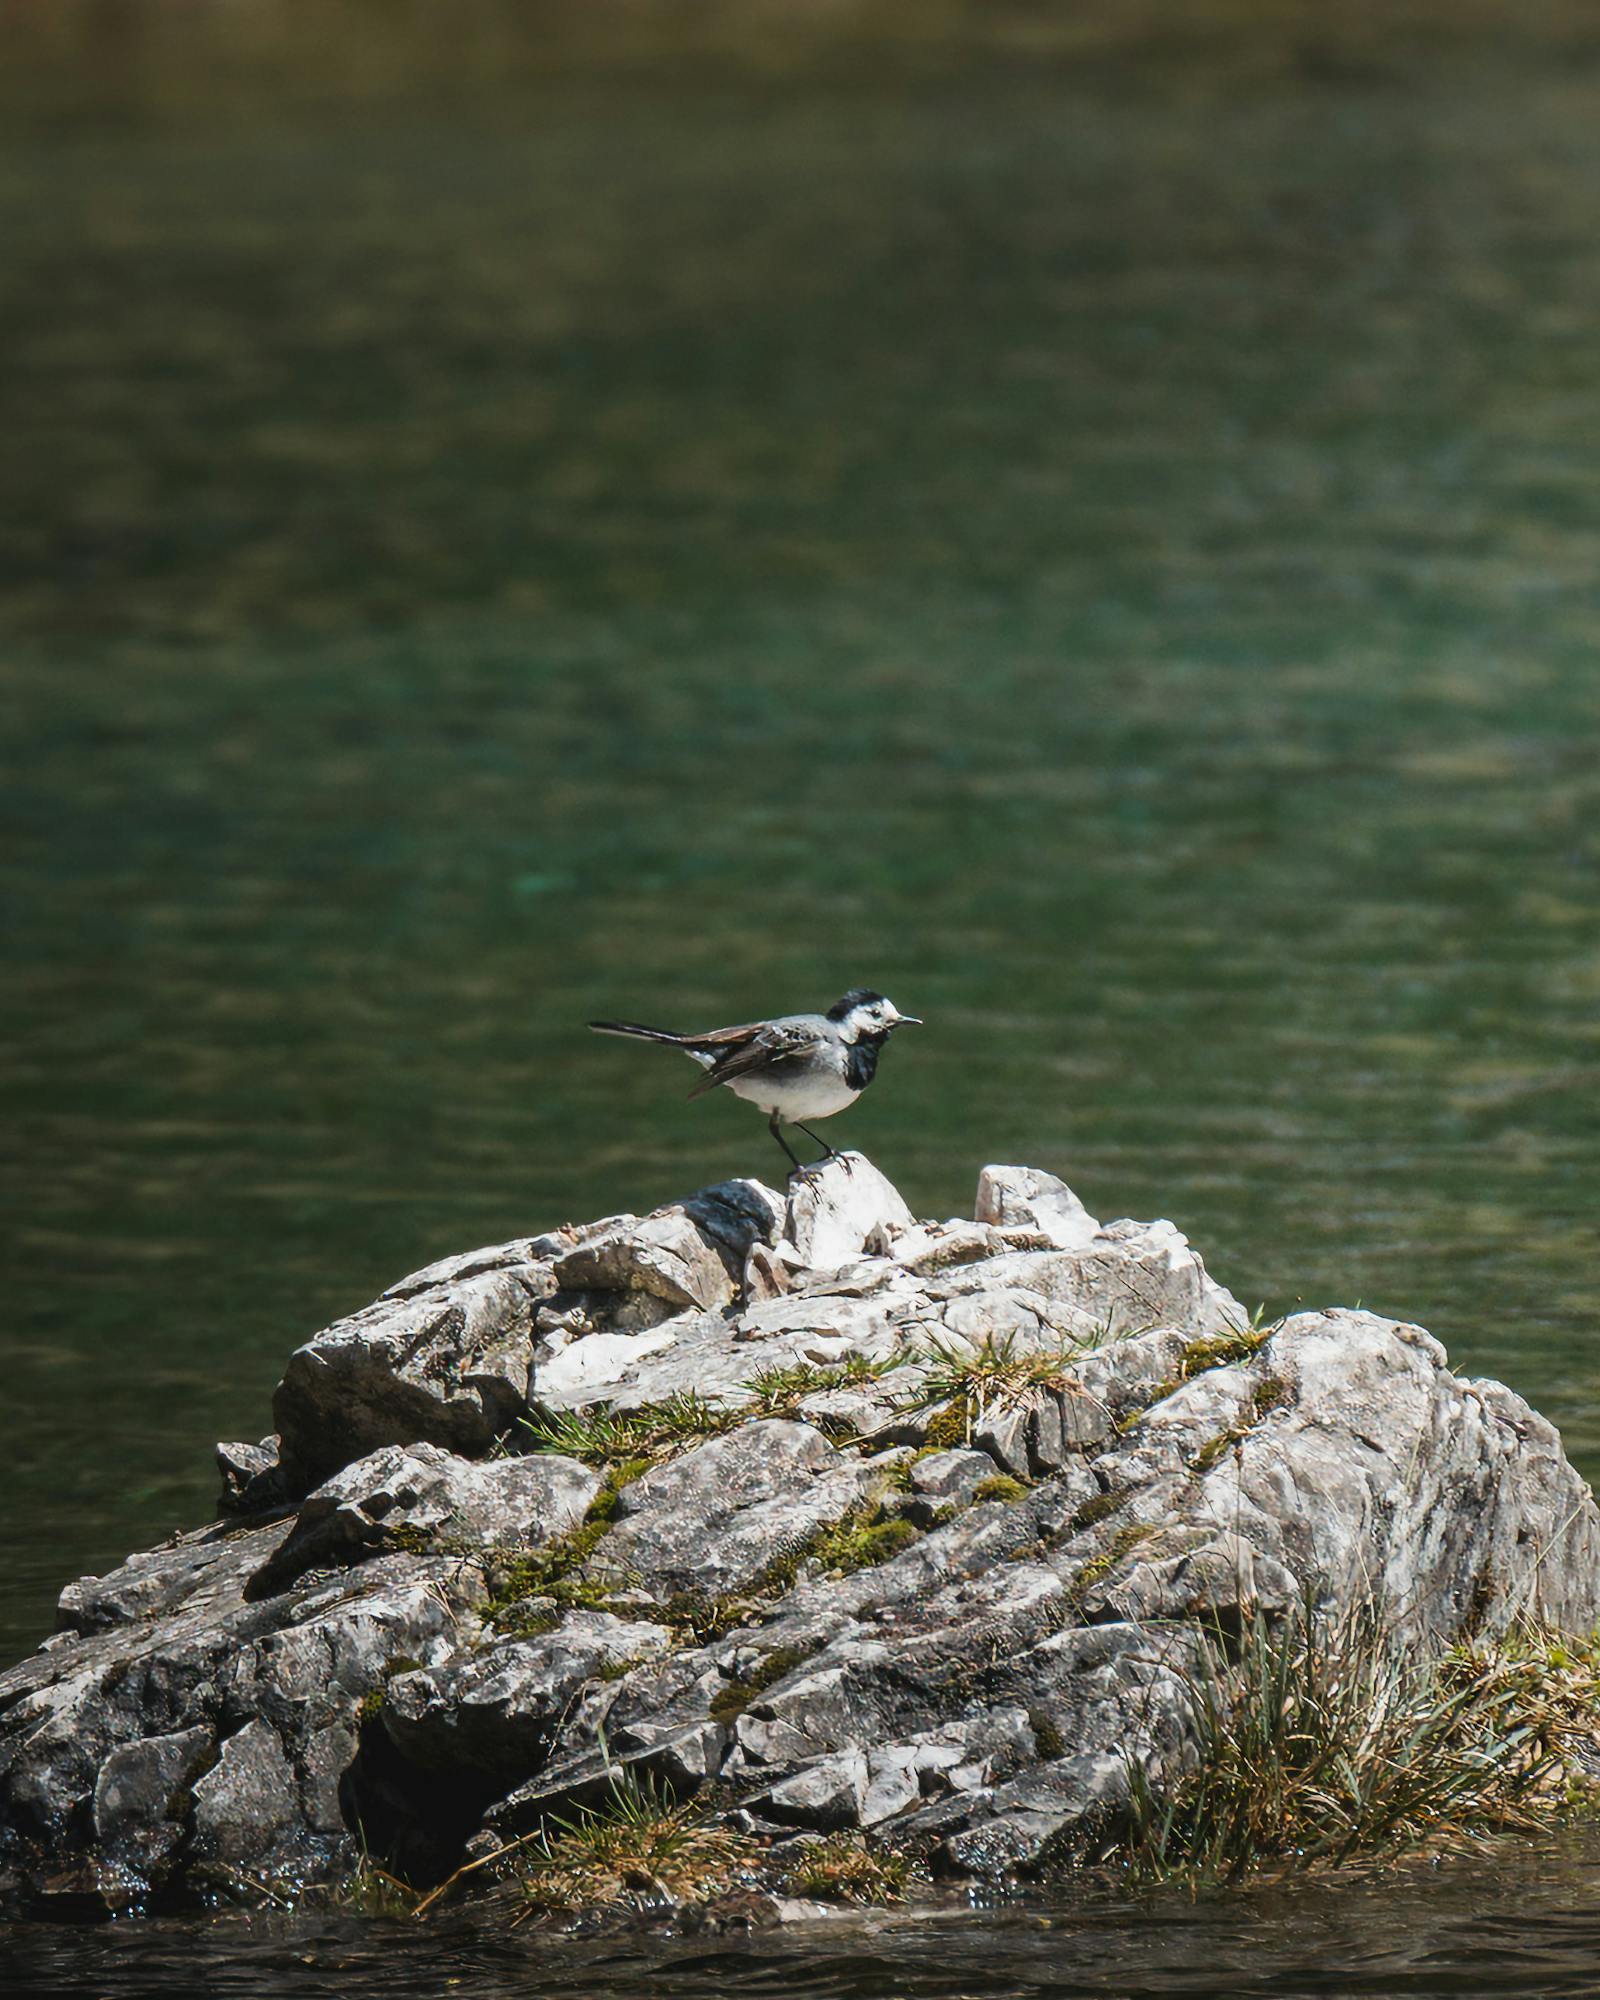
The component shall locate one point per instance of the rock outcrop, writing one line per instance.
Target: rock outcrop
(841, 1520)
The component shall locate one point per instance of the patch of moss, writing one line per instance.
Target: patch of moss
(616, 1666)
(1267, 1396)
(864, 1537)
(1159, 1394)
(373, 1700)
(1049, 1740)
(950, 1429)
(1220, 1350)
(1001, 1487)
(518, 1622)
(412, 1541)
(552, 1572)
(1122, 1543)
(1215, 1449)
(603, 1507)
(1096, 1508)
(730, 1702)
(1272, 1394)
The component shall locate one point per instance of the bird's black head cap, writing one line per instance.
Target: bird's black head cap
(858, 996)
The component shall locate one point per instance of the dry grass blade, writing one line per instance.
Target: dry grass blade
(1320, 1744)
(639, 1840)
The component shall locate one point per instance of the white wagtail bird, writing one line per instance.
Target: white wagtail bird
(797, 1067)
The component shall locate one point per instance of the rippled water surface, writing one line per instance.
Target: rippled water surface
(1527, 1924)
(1082, 518)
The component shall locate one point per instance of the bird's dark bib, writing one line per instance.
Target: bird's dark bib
(861, 1061)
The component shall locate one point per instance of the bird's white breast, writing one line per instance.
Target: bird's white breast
(818, 1095)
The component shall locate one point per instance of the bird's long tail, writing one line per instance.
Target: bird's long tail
(641, 1033)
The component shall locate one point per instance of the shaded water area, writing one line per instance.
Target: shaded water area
(1081, 518)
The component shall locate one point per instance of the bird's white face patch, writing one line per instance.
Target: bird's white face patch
(870, 1017)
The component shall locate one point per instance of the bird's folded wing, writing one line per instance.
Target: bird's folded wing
(768, 1047)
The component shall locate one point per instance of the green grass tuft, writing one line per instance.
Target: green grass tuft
(842, 1869)
(600, 1435)
(994, 1373)
(1326, 1742)
(638, 1839)
(777, 1390)
(1001, 1487)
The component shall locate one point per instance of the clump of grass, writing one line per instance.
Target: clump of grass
(994, 1373)
(638, 1840)
(778, 1389)
(1322, 1743)
(599, 1434)
(842, 1869)
(870, 1368)
(1220, 1350)
(371, 1891)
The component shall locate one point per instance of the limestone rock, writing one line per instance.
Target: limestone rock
(819, 1604)
(252, 1477)
(246, 1808)
(497, 1710)
(837, 1210)
(412, 1493)
(447, 1365)
(664, 1255)
(718, 1518)
(1024, 1198)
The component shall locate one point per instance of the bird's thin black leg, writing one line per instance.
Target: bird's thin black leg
(828, 1152)
(772, 1127)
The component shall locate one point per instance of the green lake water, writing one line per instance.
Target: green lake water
(1084, 521)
